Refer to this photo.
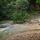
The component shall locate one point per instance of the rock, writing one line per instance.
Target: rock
(4, 25)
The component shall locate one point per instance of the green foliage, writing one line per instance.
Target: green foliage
(20, 17)
(6, 7)
(16, 10)
(22, 4)
(38, 1)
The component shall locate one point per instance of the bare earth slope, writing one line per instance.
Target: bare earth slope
(30, 35)
(26, 31)
(31, 31)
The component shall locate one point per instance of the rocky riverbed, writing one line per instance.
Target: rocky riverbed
(8, 29)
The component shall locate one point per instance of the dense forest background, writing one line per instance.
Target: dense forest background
(18, 10)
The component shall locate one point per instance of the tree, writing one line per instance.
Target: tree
(6, 7)
(22, 5)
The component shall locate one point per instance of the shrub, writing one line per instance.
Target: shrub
(20, 17)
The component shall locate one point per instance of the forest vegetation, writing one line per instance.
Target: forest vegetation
(18, 10)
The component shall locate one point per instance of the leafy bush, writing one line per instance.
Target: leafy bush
(22, 5)
(16, 10)
(20, 17)
(38, 1)
(6, 7)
